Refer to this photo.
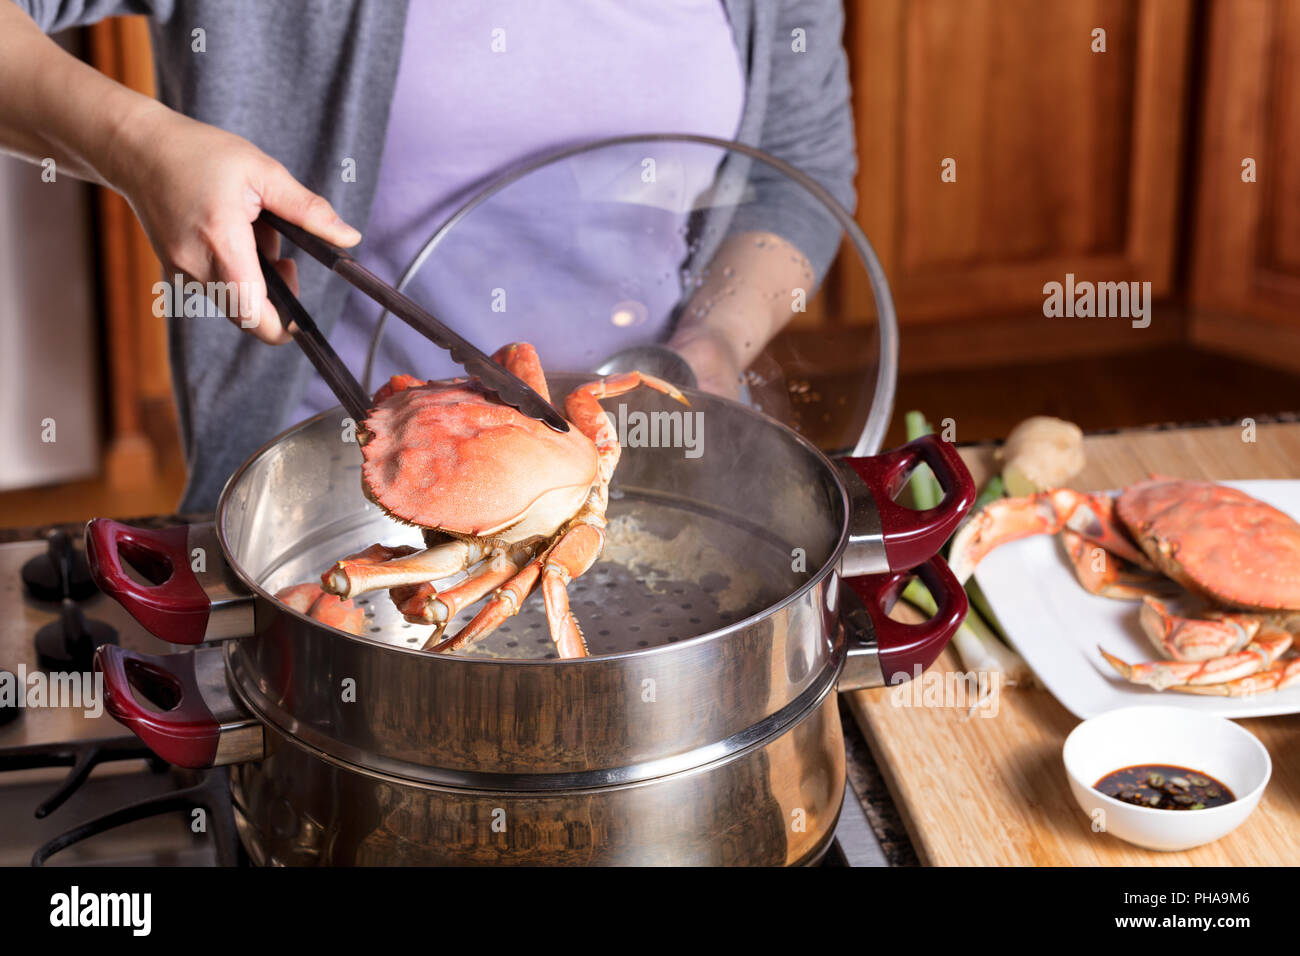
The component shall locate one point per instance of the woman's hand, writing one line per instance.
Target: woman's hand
(197, 190)
(713, 359)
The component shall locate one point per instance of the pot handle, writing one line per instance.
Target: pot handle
(910, 536)
(900, 651)
(199, 729)
(185, 606)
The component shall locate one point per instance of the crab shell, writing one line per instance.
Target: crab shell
(1217, 541)
(449, 456)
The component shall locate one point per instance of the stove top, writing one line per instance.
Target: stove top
(66, 766)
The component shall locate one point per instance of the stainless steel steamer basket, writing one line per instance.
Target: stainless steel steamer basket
(740, 546)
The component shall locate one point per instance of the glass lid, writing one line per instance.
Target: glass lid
(644, 251)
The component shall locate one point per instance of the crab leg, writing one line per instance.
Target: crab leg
(575, 552)
(1010, 519)
(520, 360)
(505, 604)
(1108, 575)
(583, 409)
(1256, 656)
(425, 604)
(370, 570)
(1282, 673)
(1196, 639)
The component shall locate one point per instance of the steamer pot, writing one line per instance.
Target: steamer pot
(739, 591)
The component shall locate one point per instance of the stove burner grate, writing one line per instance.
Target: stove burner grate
(211, 794)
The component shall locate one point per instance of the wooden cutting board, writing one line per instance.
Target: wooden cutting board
(992, 791)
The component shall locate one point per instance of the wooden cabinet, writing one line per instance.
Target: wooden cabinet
(1066, 160)
(1245, 277)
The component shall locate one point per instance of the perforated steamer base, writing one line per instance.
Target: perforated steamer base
(669, 572)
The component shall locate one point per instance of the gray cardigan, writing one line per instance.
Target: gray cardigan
(310, 82)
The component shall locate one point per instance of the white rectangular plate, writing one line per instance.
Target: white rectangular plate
(1056, 626)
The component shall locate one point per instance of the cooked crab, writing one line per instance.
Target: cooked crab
(499, 494)
(329, 609)
(1235, 552)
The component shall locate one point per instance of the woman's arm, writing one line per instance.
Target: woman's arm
(53, 106)
(782, 240)
(747, 297)
(195, 189)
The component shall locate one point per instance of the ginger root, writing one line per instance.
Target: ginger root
(1041, 452)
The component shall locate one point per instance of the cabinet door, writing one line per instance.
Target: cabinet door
(1246, 249)
(1066, 160)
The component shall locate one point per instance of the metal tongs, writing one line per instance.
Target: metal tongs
(511, 390)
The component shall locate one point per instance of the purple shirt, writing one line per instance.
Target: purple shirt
(585, 256)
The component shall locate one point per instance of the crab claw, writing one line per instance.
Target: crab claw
(1010, 519)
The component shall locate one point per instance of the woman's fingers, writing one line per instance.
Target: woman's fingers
(291, 200)
(268, 240)
(234, 260)
(288, 270)
(198, 191)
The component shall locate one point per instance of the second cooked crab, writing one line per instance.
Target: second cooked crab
(1220, 544)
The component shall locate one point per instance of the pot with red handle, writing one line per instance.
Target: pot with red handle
(745, 578)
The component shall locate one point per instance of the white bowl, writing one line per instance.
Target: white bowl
(1166, 735)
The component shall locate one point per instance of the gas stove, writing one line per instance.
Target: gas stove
(79, 789)
(68, 770)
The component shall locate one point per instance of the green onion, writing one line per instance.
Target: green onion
(924, 487)
(992, 491)
(979, 602)
(976, 644)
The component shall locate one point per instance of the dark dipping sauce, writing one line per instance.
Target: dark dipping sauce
(1164, 787)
